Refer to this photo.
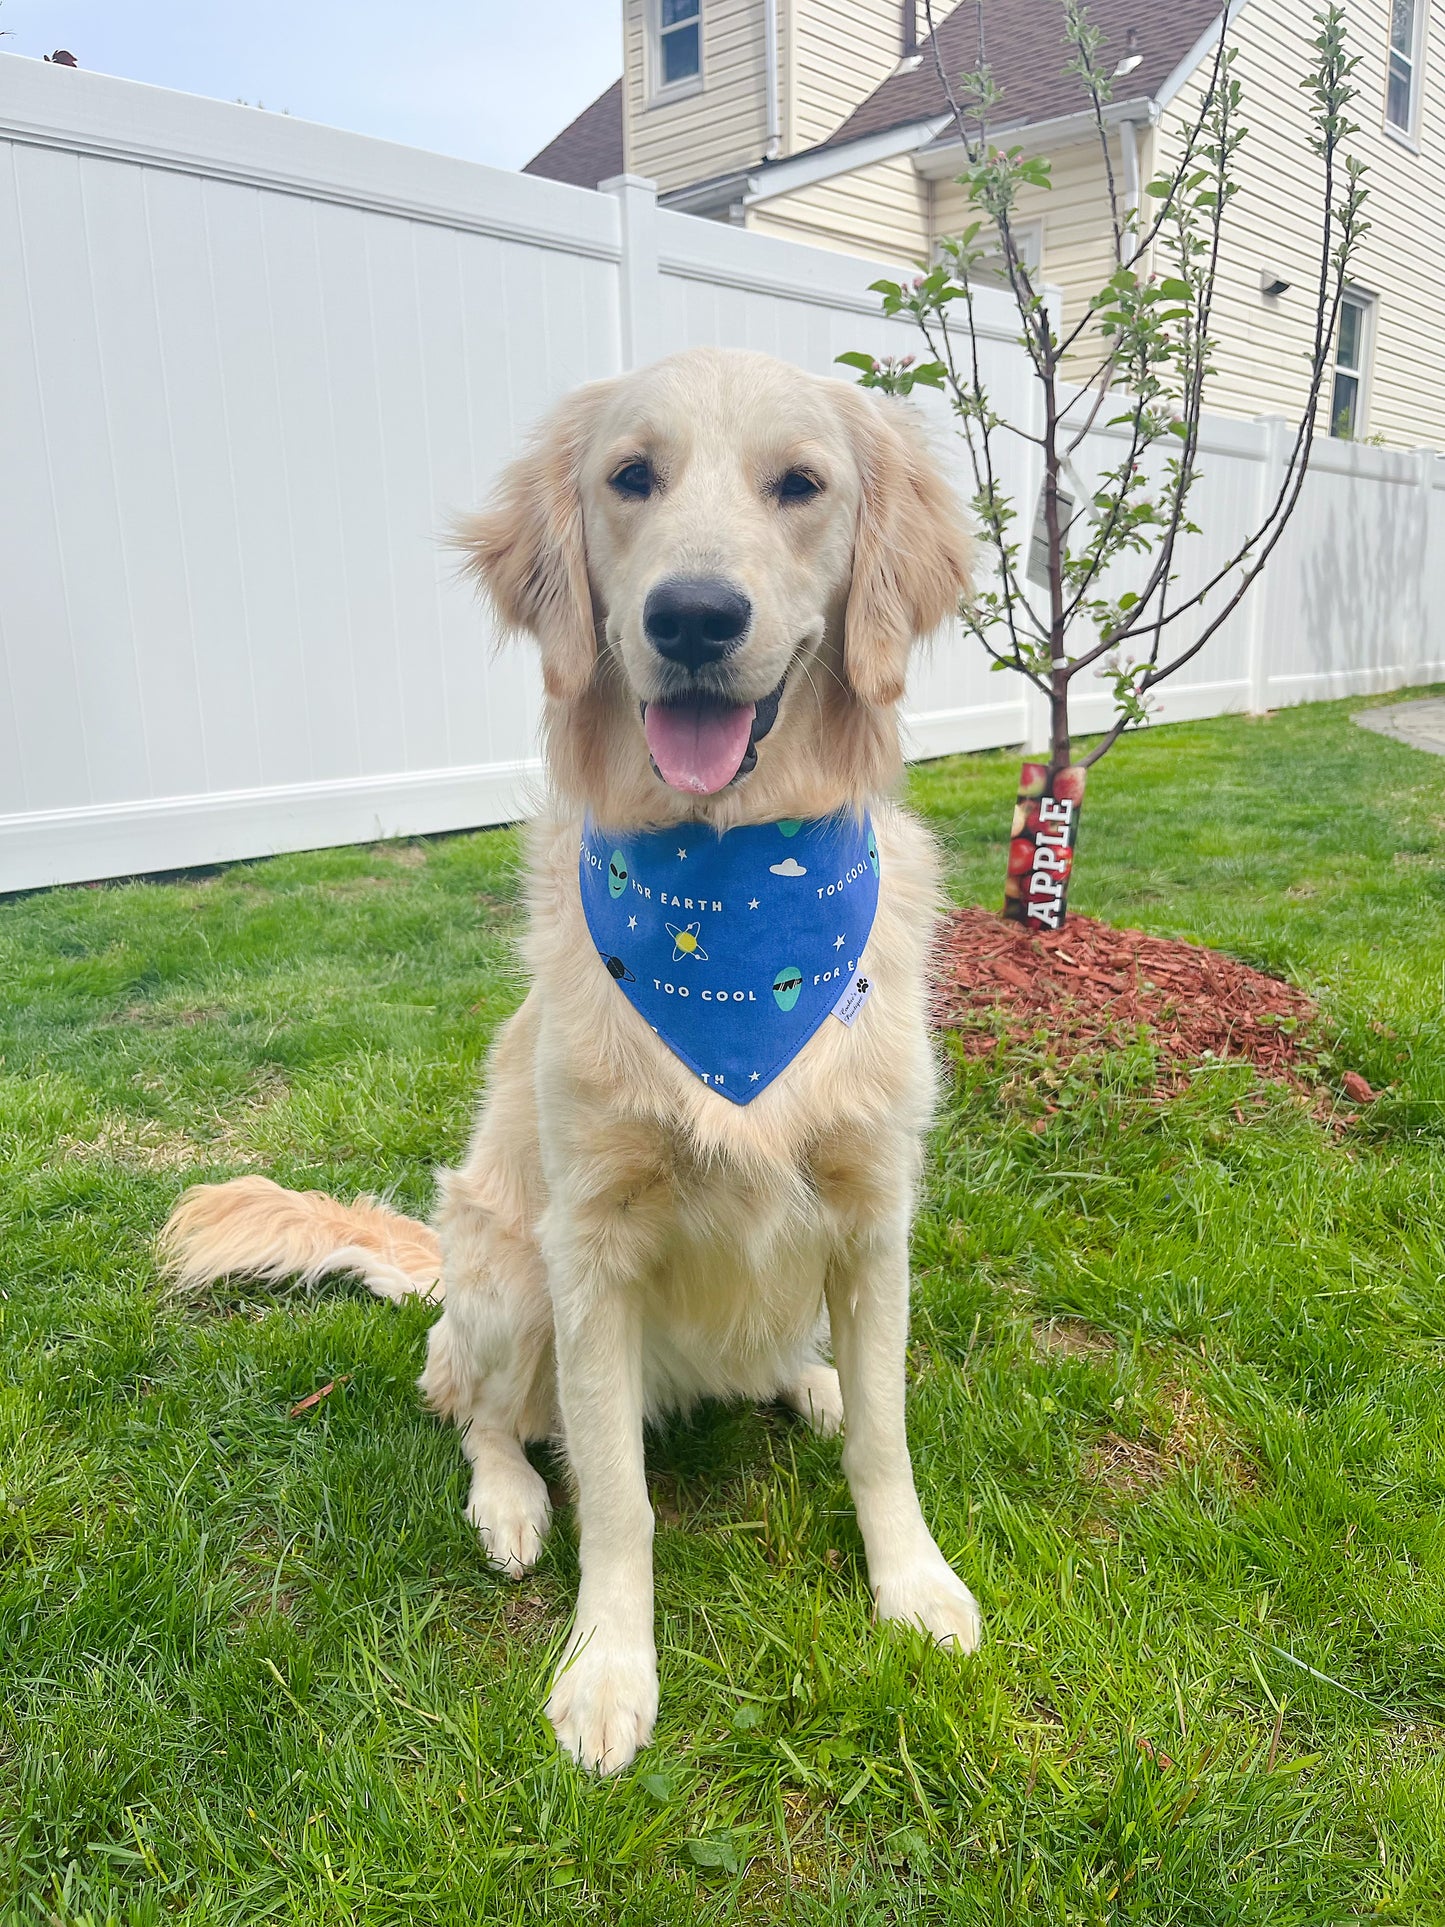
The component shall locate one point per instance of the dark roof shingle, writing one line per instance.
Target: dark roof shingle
(589, 150)
(1025, 46)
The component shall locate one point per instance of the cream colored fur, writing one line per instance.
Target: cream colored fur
(255, 1227)
(619, 1238)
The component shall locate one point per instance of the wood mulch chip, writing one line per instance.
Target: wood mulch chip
(1091, 988)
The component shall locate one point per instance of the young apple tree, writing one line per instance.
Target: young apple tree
(1090, 584)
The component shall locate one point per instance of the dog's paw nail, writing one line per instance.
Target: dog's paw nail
(604, 1704)
(937, 1601)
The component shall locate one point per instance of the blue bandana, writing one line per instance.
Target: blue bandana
(734, 947)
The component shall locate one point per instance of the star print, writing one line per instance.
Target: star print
(838, 944)
(681, 854)
(632, 923)
(752, 903)
(754, 1078)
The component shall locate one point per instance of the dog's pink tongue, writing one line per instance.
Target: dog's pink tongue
(698, 746)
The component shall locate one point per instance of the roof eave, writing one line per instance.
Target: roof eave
(717, 195)
(941, 158)
(827, 162)
(1204, 46)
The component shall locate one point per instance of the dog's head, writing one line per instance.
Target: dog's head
(717, 550)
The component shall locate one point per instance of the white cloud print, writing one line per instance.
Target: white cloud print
(789, 867)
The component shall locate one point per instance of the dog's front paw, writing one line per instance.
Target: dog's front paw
(604, 1700)
(932, 1596)
(511, 1511)
(817, 1398)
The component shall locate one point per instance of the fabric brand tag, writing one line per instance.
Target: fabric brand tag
(852, 1001)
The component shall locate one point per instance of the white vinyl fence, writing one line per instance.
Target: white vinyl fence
(250, 367)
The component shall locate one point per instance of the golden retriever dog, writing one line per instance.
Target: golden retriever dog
(725, 563)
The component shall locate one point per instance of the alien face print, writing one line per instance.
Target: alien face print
(788, 986)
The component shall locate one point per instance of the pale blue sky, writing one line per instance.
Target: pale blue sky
(491, 80)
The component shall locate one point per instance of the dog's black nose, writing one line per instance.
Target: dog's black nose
(696, 620)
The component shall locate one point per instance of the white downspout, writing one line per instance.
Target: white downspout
(770, 63)
(1129, 149)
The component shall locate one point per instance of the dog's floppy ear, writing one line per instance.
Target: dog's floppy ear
(912, 552)
(527, 549)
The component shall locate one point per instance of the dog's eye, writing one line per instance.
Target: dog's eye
(796, 486)
(635, 480)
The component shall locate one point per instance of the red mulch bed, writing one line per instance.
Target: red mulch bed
(1091, 987)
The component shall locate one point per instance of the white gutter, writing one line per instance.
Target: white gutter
(940, 159)
(714, 196)
(770, 65)
(824, 163)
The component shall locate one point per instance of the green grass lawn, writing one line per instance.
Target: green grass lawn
(1177, 1413)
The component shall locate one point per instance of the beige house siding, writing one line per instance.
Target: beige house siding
(841, 51)
(722, 127)
(831, 56)
(1078, 248)
(1275, 222)
(881, 211)
(893, 213)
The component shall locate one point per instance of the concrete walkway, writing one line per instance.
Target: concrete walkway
(1420, 724)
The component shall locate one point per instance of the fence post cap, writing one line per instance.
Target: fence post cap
(627, 183)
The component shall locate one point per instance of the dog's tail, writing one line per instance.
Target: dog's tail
(253, 1228)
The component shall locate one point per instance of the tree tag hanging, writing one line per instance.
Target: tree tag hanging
(1041, 852)
(1038, 563)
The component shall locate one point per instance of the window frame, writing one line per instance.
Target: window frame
(1362, 374)
(661, 93)
(1029, 240)
(1029, 237)
(1407, 135)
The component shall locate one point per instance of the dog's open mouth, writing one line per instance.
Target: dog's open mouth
(702, 746)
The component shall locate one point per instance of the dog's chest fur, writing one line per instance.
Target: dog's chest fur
(733, 1298)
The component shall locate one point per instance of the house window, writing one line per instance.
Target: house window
(1403, 75)
(1352, 355)
(1028, 238)
(679, 42)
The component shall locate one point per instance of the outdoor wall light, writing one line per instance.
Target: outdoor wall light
(1272, 282)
